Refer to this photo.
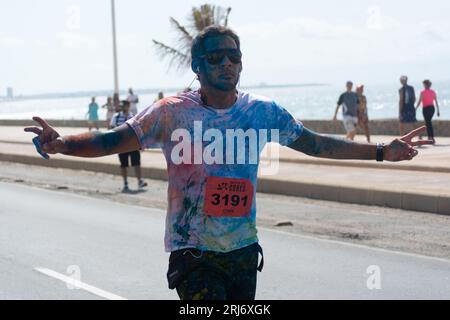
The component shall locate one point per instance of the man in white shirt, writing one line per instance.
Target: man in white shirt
(117, 120)
(133, 99)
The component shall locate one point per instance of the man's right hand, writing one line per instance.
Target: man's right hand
(50, 139)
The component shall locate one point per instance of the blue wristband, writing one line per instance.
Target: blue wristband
(37, 144)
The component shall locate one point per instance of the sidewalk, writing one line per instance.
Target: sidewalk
(415, 185)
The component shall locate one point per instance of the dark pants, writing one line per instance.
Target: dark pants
(428, 113)
(212, 275)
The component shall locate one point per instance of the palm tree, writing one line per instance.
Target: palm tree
(201, 17)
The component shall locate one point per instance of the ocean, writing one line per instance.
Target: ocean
(304, 102)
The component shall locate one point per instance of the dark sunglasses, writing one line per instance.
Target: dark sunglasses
(216, 57)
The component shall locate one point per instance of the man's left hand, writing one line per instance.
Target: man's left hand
(403, 148)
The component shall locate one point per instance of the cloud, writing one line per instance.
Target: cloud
(433, 31)
(76, 40)
(379, 22)
(302, 27)
(10, 41)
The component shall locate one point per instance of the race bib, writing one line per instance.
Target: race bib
(228, 197)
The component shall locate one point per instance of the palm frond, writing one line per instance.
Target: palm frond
(176, 58)
(185, 36)
(200, 18)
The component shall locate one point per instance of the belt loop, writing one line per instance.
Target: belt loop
(261, 264)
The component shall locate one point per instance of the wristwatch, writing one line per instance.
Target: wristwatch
(380, 152)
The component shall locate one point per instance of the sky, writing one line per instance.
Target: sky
(65, 46)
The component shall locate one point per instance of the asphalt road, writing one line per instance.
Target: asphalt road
(48, 238)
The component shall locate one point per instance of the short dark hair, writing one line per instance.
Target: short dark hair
(198, 47)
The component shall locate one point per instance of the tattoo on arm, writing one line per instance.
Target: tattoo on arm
(322, 146)
(97, 144)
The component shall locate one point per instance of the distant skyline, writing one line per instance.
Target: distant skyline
(65, 46)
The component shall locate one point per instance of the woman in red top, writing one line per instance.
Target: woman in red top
(428, 99)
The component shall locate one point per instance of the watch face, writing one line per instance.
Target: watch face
(380, 148)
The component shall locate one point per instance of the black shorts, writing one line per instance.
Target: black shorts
(208, 275)
(135, 159)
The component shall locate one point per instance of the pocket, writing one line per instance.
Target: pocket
(181, 263)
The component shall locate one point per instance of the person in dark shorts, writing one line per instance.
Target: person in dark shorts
(135, 156)
(349, 101)
(190, 273)
(407, 110)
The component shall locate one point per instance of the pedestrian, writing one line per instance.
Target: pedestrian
(135, 156)
(407, 111)
(211, 229)
(116, 103)
(93, 114)
(133, 99)
(110, 110)
(349, 102)
(159, 97)
(428, 100)
(363, 115)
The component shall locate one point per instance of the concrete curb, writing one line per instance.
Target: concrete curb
(393, 199)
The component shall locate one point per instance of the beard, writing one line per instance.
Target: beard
(224, 85)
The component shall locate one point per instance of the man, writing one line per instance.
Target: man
(211, 215)
(407, 110)
(133, 100)
(93, 115)
(349, 102)
(117, 120)
(159, 97)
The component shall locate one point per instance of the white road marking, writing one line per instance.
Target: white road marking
(78, 284)
(349, 244)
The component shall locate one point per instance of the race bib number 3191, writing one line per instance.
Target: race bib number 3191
(228, 197)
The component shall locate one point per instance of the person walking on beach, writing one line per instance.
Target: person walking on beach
(349, 102)
(428, 100)
(133, 99)
(110, 110)
(93, 114)
(407, 111)
(135, 156)
(211, 231)
(363, 115)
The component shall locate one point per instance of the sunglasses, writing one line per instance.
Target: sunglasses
(216, 57)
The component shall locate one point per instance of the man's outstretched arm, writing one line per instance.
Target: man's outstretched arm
(322, 146)
(93, 144)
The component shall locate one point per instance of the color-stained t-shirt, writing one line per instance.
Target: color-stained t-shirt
(212, 160)
(349, 101)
